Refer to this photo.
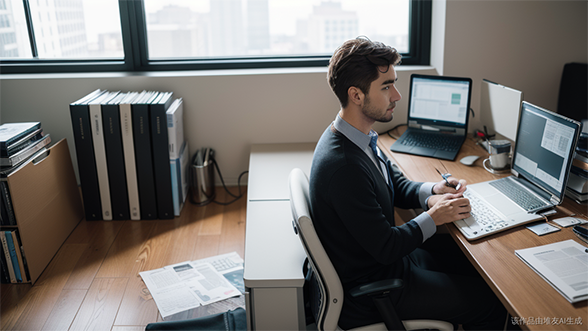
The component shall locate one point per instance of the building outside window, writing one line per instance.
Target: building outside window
(197, 32)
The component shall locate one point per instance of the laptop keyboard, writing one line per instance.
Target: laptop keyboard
(486, 218)
(436, 141)
(519, 195)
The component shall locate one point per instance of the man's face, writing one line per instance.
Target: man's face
(380, 102)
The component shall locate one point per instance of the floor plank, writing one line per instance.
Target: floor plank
(48, 287)
(14, 302)
(206, 246)
(137, 307)
(99, 308)
(61, 267)
(4, 289)
(64, 310)
(232, 237)
(39, 303)
(99, 236)
(185, 236)
(121, 257)
(212, 220)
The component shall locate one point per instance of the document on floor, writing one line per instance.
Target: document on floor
(191, 284)
(564, 265)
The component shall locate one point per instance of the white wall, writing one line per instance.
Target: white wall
(522, 44)
(227, 111)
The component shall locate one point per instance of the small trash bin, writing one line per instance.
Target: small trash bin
(202, 177)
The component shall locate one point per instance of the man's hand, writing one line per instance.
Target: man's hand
(448, 207)
(457, 186)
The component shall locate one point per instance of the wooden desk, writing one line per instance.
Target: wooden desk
(532, 302)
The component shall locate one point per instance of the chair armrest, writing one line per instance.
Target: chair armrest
(376, 288)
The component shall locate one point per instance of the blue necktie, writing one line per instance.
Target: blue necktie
(374, 146)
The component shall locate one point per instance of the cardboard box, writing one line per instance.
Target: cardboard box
(47, 205)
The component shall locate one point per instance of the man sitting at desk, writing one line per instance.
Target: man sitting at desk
(353, 192)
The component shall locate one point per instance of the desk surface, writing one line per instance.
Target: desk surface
(270, 166)
(273, 253)
(274, 256)
(523, 292)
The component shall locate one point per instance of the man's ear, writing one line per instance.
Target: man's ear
(355, 95)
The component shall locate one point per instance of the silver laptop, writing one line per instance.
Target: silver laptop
(540, 166)
(438, 113)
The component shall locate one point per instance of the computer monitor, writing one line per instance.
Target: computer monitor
(500, 109)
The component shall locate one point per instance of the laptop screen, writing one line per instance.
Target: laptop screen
(439, 100)
(544, 148)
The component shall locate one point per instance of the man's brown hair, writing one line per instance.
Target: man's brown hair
(357, 63)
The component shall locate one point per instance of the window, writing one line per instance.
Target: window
(146, 35)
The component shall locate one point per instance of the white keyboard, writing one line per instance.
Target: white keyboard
(484, 221)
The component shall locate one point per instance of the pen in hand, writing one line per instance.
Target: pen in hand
(447, 183)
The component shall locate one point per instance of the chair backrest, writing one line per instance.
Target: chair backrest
(326, 289)
(572, 101)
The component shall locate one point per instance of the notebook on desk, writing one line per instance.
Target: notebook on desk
(438, 112)
(540, 167)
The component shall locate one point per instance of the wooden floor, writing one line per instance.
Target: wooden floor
(93, 282)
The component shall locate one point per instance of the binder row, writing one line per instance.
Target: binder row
(124, 144)
(13, 262)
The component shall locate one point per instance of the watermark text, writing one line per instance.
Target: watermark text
(546, 320)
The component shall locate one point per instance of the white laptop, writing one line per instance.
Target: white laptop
(540, 166)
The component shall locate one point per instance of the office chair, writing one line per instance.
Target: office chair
(326, 291)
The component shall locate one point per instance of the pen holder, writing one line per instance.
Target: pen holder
(202, 183)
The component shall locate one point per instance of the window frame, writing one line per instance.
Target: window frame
(134, 35)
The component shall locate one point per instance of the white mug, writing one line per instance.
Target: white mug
(499, 157)
(499, 161)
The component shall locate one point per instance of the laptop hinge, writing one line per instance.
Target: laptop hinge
(430, 128)
(413, 124)
(554, 200)
(439, 128)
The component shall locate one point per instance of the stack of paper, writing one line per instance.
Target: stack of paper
(180, 287)
(564, 265)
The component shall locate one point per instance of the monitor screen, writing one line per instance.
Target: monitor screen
(438, 99)
(544, 148)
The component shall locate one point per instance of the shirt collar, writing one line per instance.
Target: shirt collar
(359, 138)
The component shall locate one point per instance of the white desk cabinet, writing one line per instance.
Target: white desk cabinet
(274, 256)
